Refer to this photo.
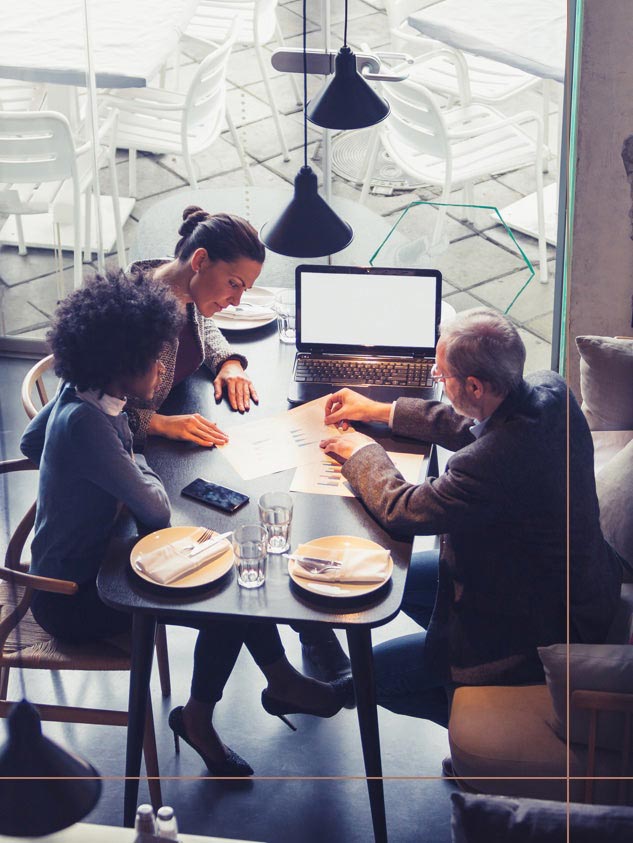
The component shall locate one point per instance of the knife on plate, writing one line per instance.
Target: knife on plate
(314, 560)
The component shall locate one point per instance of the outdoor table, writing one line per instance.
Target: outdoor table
(529, 36)
(45, 42)
(278, 600)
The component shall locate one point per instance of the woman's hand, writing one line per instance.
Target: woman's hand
(190, 428)
(239, 386)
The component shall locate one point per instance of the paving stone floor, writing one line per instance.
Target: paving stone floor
(480, 266)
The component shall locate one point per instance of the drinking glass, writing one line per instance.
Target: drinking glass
(249, 548)
(284, 307)
(275, 514)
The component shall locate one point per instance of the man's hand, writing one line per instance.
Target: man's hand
(239, 387)
(349, 405)
(342, 447)
(189, 428)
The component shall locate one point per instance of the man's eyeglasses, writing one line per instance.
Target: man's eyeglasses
(437, 377)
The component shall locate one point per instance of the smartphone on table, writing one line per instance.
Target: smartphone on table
(220, 497)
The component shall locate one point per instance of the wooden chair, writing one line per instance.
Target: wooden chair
(25, 645)
(34, 382)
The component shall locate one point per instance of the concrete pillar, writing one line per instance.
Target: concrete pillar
(601, 268)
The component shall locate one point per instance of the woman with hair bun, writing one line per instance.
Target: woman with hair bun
(217, 258)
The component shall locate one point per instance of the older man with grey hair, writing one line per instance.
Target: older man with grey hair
(522, 463)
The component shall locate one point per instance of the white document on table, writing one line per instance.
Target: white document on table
(287, 440)
(325, 477)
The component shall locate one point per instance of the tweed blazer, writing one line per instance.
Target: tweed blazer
(214, 352)
(501, 510)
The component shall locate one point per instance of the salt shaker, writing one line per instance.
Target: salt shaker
(145, 824)
(166, 826)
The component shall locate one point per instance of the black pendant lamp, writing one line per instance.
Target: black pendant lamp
(307, 227)
(347, 101)
(43, 788)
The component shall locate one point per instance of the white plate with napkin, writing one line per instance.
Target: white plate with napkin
(254, 311)
(364, 566)
(163, 558)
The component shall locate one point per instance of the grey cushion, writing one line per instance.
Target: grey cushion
(592, 667)
(614, 485)
(502, 819)
(606, 382)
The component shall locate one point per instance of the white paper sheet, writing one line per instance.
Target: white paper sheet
(325, 478)
(287, 440)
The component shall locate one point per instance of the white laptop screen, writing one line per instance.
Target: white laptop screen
(368, 309)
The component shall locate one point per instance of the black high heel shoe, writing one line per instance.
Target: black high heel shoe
(343, 694)
(232, 765)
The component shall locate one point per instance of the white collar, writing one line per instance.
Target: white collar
(108, 404)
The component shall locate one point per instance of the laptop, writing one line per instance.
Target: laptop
(373, 329)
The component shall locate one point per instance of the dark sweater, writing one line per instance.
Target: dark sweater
(501, 507)
(86, 471)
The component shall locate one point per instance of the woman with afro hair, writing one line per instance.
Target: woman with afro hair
(107, 340)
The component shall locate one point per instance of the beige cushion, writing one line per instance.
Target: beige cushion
(606, 382)
(614, 485)
(504, 731)
(592, 667)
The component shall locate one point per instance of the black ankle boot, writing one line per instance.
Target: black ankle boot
(326, 656)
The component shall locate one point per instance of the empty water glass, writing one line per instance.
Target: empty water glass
(284, 307)
(249, 548)
(275, 513)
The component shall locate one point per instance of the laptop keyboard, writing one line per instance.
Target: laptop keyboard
(381, 373)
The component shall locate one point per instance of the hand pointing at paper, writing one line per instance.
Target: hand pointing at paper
(342, 447)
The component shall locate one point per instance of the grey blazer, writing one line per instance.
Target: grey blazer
(501, 510)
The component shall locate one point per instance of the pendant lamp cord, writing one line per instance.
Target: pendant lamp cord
(345, 27)
(305, 89)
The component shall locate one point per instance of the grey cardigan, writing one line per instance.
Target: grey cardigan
(214, 352)
(501, 507)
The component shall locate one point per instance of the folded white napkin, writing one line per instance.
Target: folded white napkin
(252, 312)
(169, 563)
(357, 564)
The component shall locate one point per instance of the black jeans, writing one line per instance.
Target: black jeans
(84, 617)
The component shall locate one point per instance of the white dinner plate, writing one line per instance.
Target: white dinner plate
(213, 570)
(260, 296)
(337, 589)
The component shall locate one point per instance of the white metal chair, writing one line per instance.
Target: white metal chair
(161, 121)
(21, 96)
(45, 172)
(455, 147)
(487, 81)
(258, 26)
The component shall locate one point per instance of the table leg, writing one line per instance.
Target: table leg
(143, 632)
(359, 642)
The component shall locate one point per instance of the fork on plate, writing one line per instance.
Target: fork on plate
(201, 536)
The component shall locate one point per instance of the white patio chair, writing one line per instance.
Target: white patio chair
(258, 26)
(45, 172)
(487, 81)
(455, 147)
(162, 121)
(21, 96)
